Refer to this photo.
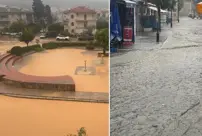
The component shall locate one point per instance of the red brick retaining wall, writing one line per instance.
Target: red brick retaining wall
(11, 76)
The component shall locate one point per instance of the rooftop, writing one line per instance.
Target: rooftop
(80, 9)
(5, 8)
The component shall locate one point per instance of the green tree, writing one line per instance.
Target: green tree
(48, 14)
(35, 28)
(38, 9)
(80, 132)
(102, 38)
(27, 36)
(102, 24)
(17, 27)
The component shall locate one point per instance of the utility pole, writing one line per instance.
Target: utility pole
(158, 24)
(171, 23)
(178, 11)
(171, 10)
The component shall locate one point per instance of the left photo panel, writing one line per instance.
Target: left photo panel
(54, 68)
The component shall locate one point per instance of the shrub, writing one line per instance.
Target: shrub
(50, 45)
(17, 50)
(53, 45)
(39, 49)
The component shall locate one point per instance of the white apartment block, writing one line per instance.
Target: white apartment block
(8, 15)
(78, 19)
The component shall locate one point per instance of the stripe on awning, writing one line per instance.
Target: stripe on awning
(130, 4)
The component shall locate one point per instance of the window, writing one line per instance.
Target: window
(72, 24)
(72, 16)
(85, 17)
(72, 30)
(85, 24)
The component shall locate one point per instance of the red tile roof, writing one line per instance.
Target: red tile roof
(80, 9)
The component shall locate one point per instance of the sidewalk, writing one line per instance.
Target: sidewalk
(147, 40)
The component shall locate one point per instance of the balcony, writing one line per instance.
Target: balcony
(81, 27)
(85, 20)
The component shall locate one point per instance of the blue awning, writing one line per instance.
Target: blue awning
(130, 4)
(115, 26)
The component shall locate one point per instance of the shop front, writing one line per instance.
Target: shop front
(126, 24)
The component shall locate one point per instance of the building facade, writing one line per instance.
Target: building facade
(9, 15)
(79, 19)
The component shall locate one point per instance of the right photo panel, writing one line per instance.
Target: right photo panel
(155, 67)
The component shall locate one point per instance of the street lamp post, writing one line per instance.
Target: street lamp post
(171, 12)
(178, 11)
(171, 23)
(158, 25)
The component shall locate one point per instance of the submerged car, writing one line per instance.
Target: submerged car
(62, 38)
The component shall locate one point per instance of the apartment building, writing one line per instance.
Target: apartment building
(78, 19)
(8, 15)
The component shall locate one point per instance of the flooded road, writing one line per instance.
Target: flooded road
(156, 90)
(24, 117)
(64, 61)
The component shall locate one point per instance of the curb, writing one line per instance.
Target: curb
(54, 98)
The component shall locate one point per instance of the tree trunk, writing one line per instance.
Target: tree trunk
(27, 44)
(104, 51)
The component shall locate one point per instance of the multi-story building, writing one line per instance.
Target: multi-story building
(8, 15)
(79, 19)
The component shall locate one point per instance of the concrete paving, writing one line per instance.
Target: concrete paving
(155, 91)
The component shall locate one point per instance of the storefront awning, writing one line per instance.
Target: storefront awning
(155, 9)
(130, 4)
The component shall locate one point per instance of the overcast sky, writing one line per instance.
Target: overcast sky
(63, 4)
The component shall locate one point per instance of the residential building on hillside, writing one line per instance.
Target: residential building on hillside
(8, 15)
(78, 19)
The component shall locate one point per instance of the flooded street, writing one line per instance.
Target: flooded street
(156, 90)
(31, 117)
(64, 61)
(24, 117)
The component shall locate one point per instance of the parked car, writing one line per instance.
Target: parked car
(42, 36)
(86, 38)
(62, 38)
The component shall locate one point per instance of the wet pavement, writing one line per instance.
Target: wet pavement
(155, 91)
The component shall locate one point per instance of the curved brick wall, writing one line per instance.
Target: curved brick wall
(11, 76)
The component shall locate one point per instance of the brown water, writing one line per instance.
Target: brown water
(64, 62)
(24, 117)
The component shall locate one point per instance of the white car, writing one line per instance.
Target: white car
(42, 37)
(62, 38)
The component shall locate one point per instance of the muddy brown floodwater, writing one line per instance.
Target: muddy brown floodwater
(30, 117)
(64, 62)
(25, 117)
